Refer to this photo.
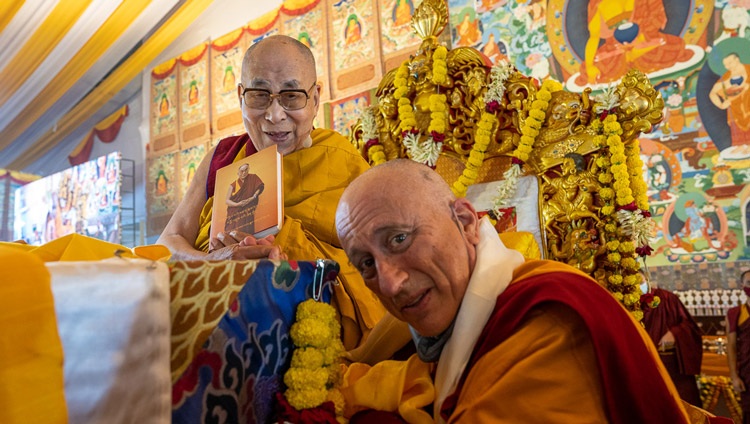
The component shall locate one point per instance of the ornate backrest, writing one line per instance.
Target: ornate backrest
(490, 126)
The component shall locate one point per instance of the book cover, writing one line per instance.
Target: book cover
(249, 195)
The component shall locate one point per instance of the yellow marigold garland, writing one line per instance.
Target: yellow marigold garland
(529, 133)
(484, 133)
(624, 209)
(710, 390)
(373, 149)
(313, 376)
(427, 151)
(482, 138)
(439, 66)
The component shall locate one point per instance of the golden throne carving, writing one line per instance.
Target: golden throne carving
(476, 124)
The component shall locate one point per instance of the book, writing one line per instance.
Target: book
(249, 195)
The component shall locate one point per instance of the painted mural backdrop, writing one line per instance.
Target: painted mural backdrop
(697, 54)
(503, 29)
(345, 112)
(352, 25)
(309, 29)
(189, 160)
(395, 25)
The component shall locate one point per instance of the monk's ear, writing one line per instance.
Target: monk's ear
(467, 218)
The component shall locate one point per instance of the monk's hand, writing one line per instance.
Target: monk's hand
(224, 239)
(667, 341)
(237, 252)
(265, 241)
(738, 385)
(249, 240)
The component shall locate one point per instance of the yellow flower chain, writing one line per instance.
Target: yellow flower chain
(483, 136)
(438, 107)
(376, 154)
(439, 66)
(405, 109)
(375, 151)
(637, 183)
(535, 119)
(529, 133)
(711, 388)
(622, 185)
(314, 374)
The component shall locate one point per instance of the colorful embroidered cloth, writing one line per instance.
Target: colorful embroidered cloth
(239, 366)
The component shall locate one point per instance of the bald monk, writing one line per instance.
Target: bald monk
(511, 340)
(279, 98)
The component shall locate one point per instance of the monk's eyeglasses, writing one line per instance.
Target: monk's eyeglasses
(260, 98)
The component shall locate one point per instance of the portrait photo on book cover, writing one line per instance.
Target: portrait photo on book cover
(248, 196)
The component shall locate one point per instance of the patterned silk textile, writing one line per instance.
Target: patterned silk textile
(230, 334)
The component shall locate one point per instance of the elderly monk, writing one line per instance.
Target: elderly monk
(513, 341)
(279, 98)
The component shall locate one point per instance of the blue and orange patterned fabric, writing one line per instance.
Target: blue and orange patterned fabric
(239, 368)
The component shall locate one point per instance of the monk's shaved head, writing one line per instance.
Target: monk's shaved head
(400, 177)
(413, 242)
(274, 45)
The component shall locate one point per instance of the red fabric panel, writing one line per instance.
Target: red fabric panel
(634, 391)
(85, 152)
(109, 134)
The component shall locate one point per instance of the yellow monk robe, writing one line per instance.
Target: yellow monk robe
(314, 179)
(31, 354)
(547, 368)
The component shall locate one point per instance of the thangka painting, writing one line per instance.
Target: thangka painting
(697, 54)
(307, 23)
(194, 93)
(345, 112)
(162, 189)
(697, 161)
(163, 119)
(504, 30)
(398, 39)
(466, 28)
(355, 48)
(226, 68)
(663, 38)
(189, 160)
